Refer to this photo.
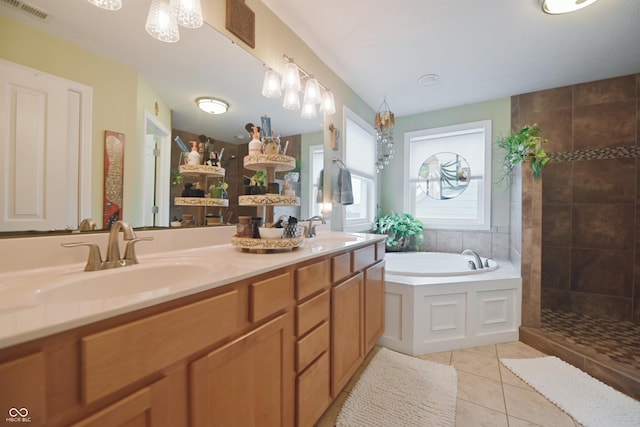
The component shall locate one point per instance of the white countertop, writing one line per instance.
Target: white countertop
(24, 318)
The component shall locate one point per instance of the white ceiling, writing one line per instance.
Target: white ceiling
(481, 50)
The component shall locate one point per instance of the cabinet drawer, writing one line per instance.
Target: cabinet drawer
(269, 296)
(340, 267)
(309, 347)
(364, 257)
(23, 385)
(312, 312)
(313, 393)
(119, 356)
(311, 279)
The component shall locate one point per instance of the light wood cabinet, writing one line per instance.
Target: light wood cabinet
(248, 382)
(268, 350)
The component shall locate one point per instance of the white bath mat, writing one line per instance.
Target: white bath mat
(587, 400)
(398, 390)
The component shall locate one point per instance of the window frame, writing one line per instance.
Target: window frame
(483, 209)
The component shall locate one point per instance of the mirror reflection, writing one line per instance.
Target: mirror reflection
(147, 90)
(444, 175)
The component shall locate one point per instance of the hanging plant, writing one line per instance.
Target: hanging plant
(524, 146)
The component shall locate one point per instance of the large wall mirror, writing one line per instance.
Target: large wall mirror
(143, 88)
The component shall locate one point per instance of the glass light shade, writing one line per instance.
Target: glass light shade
(555, 7)
(308, 110)
(312, 92)
(161, 22)
(212, 105)
(188, 13)
(291, 99)
(291, 77)
(107, 4)
(271, 85)
(328, 104)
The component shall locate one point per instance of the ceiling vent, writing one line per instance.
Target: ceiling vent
(27, 9)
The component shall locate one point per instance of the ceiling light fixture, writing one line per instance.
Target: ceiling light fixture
(188, 13)
(107, 4)
(556, 7)
(291, 83)
(212, 105)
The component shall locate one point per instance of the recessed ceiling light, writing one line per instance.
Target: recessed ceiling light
(555, 7)
(428, 79)
(212, 105)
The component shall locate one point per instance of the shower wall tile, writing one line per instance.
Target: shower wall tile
(557, 268)
(556, 225)
(556, 127)
(602, 272)
(479, 241)
(500, 245)
(545, 100)
(449, 241)
(557, 186)
(604, 181)
(604, 125)
(603, 226)
(605, 91)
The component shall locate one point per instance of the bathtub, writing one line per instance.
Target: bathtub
(434, 302)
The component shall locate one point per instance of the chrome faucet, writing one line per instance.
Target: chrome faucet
(478, 263)
(113, 260)
(311, 229)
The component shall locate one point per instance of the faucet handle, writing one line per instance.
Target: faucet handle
(95, 259)
(130, 252)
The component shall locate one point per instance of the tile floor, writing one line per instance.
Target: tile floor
(488, 393)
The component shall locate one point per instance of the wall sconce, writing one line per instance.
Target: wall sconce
(212, 105)
(291, 84)
(556, 7)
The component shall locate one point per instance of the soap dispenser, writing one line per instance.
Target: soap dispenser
(194, 157)
(255, 146)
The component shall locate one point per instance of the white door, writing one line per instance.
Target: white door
(41, 133)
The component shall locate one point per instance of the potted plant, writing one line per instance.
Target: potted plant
(524, 146)
(404, 232)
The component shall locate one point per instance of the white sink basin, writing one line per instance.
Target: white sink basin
(150, 277)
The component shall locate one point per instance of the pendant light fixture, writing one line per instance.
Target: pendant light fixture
(271, 85)
(328, 104)
(555, 7)
(308, 110)
(311, 91)
(161, 22)
(291, 77)
(188, 13)
(291, 99)
(107, 4)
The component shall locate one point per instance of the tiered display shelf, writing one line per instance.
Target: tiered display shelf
(201, 173)
(271, 163)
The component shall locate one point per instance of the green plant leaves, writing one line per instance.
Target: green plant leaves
(522, 146)
(401, 229)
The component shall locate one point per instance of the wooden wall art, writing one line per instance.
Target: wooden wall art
(241, 21)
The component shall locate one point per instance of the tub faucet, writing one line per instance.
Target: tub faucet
(311, 229)
(478, 262)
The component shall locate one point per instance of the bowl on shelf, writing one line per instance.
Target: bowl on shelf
(270, 232)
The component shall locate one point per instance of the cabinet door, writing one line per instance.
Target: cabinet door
(373, 304)
(248, 382)
(147, 407)
(347, 339)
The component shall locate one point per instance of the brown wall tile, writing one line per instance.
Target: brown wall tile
(605, 91)
(545, 100)
(557, 268)
(604, 125)
(556, 225)
(604, 181)
(556, 128)
(557, 186)
(602, 272)
(603, 226)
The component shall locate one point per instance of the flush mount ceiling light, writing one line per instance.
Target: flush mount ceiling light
(212, 105)
(107, 4)
(556, 7)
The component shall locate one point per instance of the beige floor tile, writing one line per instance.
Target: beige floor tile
(328, 419)
(517, 422)
(517, 350)
(481, 391)
(443, 357)
(510, 378)
(485, 350)
(471, 415)
(475, 363)
(533, 407)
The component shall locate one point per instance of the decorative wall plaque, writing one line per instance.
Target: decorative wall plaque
(113, 177)
(241, 21)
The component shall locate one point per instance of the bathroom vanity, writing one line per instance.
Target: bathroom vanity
(268, 340)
